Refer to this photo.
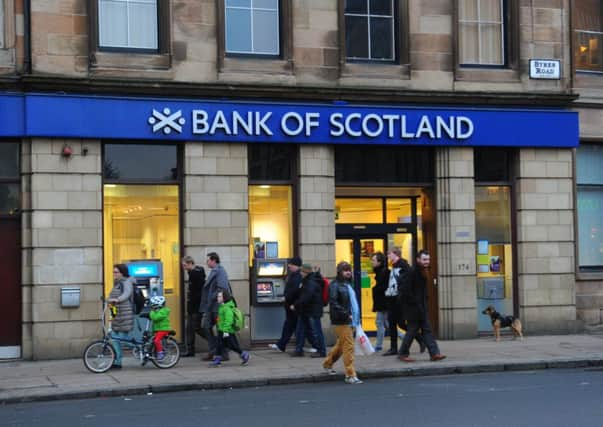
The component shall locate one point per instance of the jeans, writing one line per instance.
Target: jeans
(309, 327)
(344, 346)
(289, 327)
(118, 337)
(382, 325)
(412, 332)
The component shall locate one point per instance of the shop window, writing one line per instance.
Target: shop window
(494, 252)
(399, 211)
(140, 163)
(383, 164)
(271, 162)
(588, 35)
(141, 215)
(270, 221)
(252, 27)
(492, 164)
(358, 211)
(9, 179)
(589, 180)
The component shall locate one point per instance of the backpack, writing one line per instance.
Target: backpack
(138, 299)
(238, 319)
(325, 291)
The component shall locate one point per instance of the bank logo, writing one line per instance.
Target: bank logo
(167, 121)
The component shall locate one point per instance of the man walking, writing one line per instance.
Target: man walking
(399, 268)
(308, 307)
(217, 281)
(196, 281)
(414, 308)
(292, 287)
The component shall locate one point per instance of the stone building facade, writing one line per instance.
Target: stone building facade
(58, 53)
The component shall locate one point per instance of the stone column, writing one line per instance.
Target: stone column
(456, 243)
(216, 217)
(545, 241)
(62, 244)
(316, 207)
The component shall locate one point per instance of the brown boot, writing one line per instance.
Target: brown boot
(406, 359)
(437, 357)
(208, 358)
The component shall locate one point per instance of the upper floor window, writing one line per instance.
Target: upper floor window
(370, 30)
(1, 23)
(482, 32)
(128, 24)
(252, 27)
(588, 35)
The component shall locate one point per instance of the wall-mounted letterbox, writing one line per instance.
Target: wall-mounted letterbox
(70, 297)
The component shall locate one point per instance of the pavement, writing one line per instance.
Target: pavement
(25, 381)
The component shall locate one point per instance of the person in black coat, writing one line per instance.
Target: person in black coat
(292, 288)
(380, 306)
(399, 268)
(413, 297)
(196, 281)
(309, 306)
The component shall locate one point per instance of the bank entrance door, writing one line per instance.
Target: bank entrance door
(357, 249)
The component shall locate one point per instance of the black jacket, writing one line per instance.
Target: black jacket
(381, 282)
(309, 300)
(196, 281)
(340, 307)
(413, 295)
(292, 288)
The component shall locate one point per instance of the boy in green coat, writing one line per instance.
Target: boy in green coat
(226, 331)
(160, 315)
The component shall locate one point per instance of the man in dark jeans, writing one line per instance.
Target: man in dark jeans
(413, 296)
(399, 268)
(292, 286)
(309, 308)
(196, 281)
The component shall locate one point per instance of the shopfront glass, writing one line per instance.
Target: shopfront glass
(270, 221)
(141, 222)
(493, 252)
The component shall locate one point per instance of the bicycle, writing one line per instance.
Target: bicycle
(99, 355)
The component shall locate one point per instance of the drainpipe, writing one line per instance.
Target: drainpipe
(27, 36)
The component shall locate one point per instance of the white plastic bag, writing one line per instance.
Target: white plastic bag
(362, 344)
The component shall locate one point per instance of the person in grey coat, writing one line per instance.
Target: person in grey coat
(217, 281)
(120, 298)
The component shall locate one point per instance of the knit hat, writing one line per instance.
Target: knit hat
(306, 268)
(295, 261)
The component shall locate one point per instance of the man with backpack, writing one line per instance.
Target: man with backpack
(196, 281)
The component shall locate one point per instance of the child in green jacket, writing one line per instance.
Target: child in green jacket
(227, 336)
(160, 315)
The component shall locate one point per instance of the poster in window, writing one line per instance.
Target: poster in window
(271, 249)
(259, 248)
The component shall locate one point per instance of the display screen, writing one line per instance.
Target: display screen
(271, 268)
(143, 270)
(264, 289)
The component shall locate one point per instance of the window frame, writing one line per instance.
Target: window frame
(257, 54)
(401, 51)
(504, 24)
(509, 71)
(106, 56)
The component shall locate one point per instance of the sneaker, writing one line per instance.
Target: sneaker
(216, 362)
(160, 355)
(275, 347)
(245, 358)
(378, 348)
(352, 380)
(310, 350)
(330, 371)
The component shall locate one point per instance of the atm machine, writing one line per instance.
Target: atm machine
(148, 274)
(267, 298)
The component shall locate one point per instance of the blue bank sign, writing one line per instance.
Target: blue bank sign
(337, 123)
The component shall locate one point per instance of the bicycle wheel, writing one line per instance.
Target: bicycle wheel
(99, 356)
(171, 354)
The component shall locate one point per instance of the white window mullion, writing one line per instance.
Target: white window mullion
(251, 10)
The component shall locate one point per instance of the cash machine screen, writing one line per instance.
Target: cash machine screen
(143, 270)
(271, 269)
(264, 289)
